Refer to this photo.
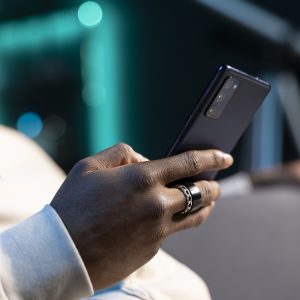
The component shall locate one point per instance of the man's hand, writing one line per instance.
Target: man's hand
(118, 208)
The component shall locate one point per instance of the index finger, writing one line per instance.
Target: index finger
(115, 156)
(189, 164)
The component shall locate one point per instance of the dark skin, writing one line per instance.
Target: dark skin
(118, 208)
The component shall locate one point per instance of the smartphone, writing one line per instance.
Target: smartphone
(222, 114)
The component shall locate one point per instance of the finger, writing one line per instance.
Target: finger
(115, 156)
(210, 191)
(190, 164)
(182, 222)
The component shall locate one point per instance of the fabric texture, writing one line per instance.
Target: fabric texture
(163, 278)
(42, 260)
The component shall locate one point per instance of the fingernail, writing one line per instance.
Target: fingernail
(228, 159)
(213, 203)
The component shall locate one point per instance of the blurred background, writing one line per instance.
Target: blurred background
(80, 76)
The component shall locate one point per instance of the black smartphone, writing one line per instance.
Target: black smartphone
(222, 114)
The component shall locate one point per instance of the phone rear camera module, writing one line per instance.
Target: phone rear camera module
(212, 110)
(230, 83)
(222, 99)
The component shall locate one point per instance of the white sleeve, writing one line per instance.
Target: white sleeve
(39, 261)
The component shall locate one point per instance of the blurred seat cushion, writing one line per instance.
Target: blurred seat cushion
(29, 178)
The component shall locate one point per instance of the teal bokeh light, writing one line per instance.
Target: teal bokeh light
(90, 14)
(30, 124)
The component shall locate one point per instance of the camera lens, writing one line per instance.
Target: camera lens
(212, 112)
(229, 84)
(220, 98)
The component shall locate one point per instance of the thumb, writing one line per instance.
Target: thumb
(115, 156)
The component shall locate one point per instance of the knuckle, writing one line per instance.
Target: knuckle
(218, 159)
(193, 160)
(124, 148)
(217, 190)
(206, 190)
(143, 177)
(158, 207)
(146, 179)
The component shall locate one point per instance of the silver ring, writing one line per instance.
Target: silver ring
(192, 195)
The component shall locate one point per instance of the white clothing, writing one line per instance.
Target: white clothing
(41, 260)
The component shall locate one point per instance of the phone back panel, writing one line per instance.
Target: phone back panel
(201, 132)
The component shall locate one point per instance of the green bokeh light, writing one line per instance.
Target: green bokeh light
(90, 14)
(100, 62)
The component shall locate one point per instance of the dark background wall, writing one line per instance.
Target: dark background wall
(165, 53)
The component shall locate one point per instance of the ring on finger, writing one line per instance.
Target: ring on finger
(192, 196)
